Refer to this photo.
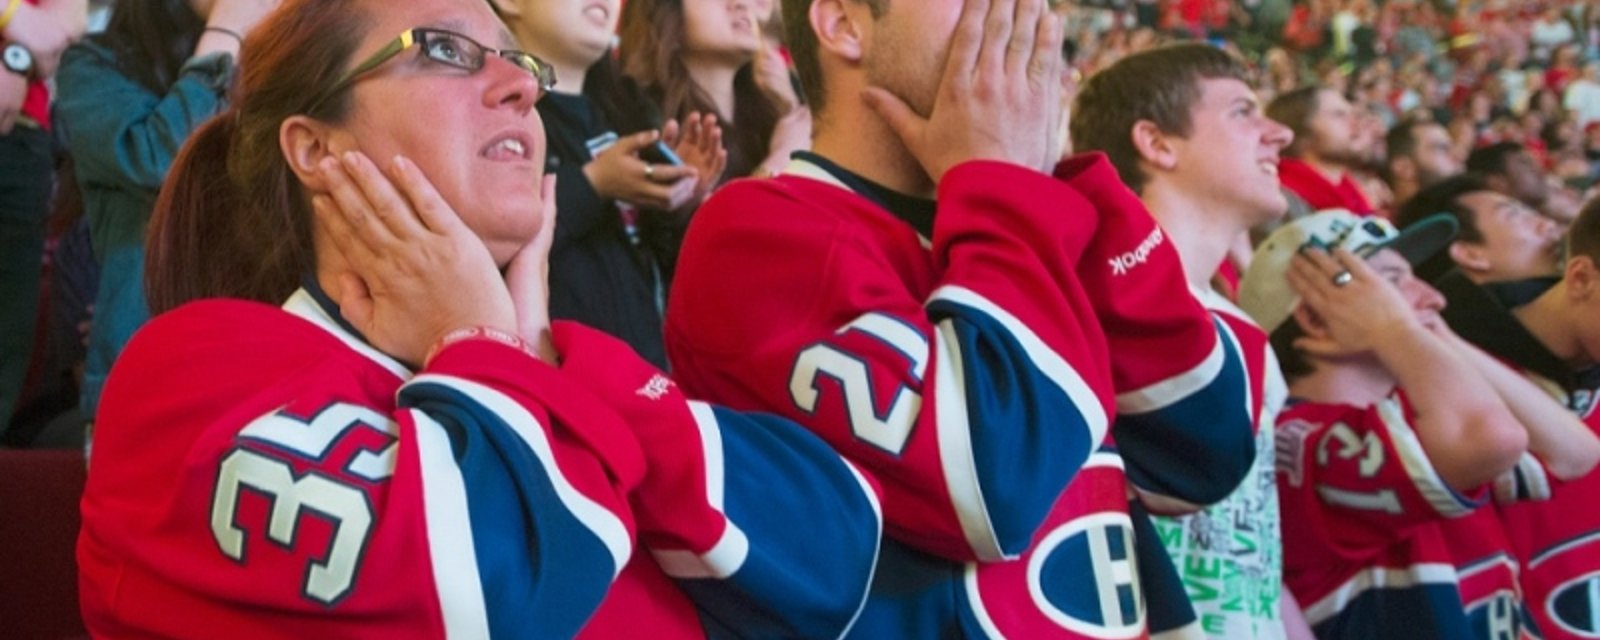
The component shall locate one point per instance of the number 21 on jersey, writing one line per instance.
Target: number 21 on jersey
(890, 428)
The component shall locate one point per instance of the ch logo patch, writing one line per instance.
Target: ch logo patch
(1083, 576)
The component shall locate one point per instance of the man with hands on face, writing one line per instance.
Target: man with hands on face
(962, 315)
(1394, 434)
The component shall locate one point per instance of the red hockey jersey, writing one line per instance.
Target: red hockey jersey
(1366, 520)
(1557, 541)
(260, 472)
(971, 361)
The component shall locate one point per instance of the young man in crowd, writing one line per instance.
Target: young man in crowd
(1501, 239)
(1509, 169)
(1419, 155)
(1328, 145)
(1184, 130)
(960, 315)
(1395, 431)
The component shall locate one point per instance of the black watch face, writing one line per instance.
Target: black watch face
(18, 59)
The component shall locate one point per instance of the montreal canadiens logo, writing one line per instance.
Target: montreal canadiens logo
(1575, 606)
(1102, 602)
(1496, 617)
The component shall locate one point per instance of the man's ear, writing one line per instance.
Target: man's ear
(1470, 256)
(1310, 323)
(305, 141)
(1154, 146)
(837, 26)
(1582, 279)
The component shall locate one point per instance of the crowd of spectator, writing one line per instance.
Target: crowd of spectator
(1388, 212)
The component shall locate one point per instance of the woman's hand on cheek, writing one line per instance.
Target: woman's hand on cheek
(528, 279)
(416, 272)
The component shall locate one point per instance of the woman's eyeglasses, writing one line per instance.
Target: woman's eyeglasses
(448, 48)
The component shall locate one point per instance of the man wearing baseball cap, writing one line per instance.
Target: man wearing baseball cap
(1393, 436)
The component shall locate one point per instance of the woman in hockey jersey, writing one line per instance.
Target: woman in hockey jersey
(406, 447)
(622, 206)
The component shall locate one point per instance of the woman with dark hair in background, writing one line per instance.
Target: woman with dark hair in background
(128, 99)
(622, 205)
(696, 55)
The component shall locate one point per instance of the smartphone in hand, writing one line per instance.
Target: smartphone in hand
(660, 153)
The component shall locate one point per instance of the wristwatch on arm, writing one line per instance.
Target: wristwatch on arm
(17, 59)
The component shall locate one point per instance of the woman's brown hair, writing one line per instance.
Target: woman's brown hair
(231, 219)
(652, 36)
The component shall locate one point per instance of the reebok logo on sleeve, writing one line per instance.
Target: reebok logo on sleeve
(1121, 265)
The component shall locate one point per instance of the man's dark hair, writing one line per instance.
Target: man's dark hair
(1294, 109)
(1444, 197)
(1402, 141)
(1493, 159)
(802, 44)
(1583, 237)
(1161, 85)
(1291, 362)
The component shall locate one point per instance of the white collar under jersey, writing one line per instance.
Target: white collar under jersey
(305, 306)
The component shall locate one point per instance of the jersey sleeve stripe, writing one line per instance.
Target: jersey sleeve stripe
(955, 452)
(733, 548)
(604, 525)
(1439, 495)
(1525, 481)
(1045, 359)
(1168, 392)
(450, 542)
(990, 538)
(1379, 578)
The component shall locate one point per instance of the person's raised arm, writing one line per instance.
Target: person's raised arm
(1467, 431)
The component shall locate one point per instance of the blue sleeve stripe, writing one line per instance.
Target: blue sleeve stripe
(1167, 392)
(733, 548)
(1444, 499)
(1196, 449)
(963, 389)
(1043, 358)
(602, 523)
(877, 515)
(450, 543)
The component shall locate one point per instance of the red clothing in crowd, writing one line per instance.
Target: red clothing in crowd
(1304, 181)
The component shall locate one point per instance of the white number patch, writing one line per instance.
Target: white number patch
(888, 431)
(337, 500)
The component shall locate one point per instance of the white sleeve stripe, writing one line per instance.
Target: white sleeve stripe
(728, 555)
(1379, 578)
(721, 561)
(955, 450)
(1415, 459)
(953, 418)
(1175, 389)
(1045, 359)
(1546, 554)
(1524, 481)
(604, 524)
(450, 544)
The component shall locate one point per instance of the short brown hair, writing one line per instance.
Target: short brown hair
(1161, 85)
(1295, 110)
(1583, 237)
(803, 45)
